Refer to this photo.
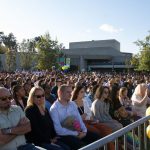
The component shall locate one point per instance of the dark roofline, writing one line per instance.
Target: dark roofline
(95, 41)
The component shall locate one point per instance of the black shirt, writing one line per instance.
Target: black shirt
(81, 110)
(42, 128)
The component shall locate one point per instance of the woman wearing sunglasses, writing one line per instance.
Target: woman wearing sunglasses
(42, 132)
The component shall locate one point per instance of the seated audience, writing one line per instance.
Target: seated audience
(78, 96)
(13, 125)
(65, 113)
(100, 109)
(42, 133)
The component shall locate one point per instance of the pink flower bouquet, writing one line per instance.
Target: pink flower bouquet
(71, 123)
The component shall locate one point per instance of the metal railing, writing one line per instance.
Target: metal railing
(138, 126)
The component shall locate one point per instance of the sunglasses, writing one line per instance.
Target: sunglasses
(39, 96)
(5, 98)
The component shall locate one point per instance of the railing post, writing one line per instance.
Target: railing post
(145, 137)
(134, 144)
(125, 142)
(105, 147)
(140, 124)
(116, 144)
(139, 137)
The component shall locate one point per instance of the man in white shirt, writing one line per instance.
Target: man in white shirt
(64, 108)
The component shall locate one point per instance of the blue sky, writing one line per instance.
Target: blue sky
(78, 20)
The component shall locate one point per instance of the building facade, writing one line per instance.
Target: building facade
(95, 55)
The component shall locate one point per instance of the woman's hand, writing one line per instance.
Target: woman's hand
(81, 135)
(54, 140)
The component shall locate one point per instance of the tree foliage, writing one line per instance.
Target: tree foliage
(26, 54)
(48, 51)
(10, 42)
(143, 58)
(135, 61)
(41, 50)
(9, 47)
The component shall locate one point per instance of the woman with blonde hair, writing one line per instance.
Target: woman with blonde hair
(42, 133)
(140, 99)
(124, 99)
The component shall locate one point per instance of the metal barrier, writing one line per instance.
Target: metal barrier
(143, 141)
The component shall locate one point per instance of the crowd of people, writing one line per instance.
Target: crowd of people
(66, 111)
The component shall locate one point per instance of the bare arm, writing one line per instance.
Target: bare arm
(22, 128)
(4, 139)
(139, 103)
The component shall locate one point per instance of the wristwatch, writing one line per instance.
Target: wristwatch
(6, 131)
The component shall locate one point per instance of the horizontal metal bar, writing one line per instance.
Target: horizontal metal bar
(101, 142)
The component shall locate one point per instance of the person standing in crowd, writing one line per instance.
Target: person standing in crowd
(42, 133)
(100, 109)
(13, 125)
(140, 99)
(64, 108)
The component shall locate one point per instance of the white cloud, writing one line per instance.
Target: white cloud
(110, 28)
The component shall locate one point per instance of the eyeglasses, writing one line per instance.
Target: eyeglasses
(5, 98)
(39, 96)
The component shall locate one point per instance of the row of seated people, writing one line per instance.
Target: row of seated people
(71, 124)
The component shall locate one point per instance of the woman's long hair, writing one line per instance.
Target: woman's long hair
(114, 95)
(100, 91)
(31, 96)
(122, 90)
(15, 89)
(76, 91)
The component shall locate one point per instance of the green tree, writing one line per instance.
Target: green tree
(135, 61)
(144, 56)
(11, 43)
(145, 60)
(48, 51)
(26, 54)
